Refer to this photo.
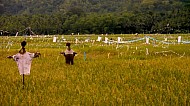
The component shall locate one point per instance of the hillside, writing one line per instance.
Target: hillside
(86, 6)
(95, 16)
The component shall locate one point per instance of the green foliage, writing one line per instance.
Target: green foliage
(79, 6)
(95, 16)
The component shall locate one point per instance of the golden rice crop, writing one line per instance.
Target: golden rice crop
(110, 75)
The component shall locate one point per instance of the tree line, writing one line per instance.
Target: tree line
(95, 16)
(94, 23)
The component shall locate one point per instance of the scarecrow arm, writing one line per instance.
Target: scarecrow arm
(74, 53)
(10, 57)
(63, 53)
(13, 57)
(37, 54)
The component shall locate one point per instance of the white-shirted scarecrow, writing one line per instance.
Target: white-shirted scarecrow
(69, 54)
(24, 59)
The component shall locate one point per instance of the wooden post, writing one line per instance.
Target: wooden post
(23, 80)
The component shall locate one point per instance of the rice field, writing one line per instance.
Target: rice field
(133, 73)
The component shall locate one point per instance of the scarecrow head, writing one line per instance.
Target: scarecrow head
(22, 50)
(68, 44)
(23, 44)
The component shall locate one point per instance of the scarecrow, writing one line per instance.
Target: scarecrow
(24, 59)
(69, 54)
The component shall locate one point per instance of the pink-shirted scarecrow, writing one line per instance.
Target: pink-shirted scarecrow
(24, 60)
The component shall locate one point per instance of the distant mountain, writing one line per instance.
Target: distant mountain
(15, 7)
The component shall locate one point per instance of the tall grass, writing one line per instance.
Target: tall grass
(110, 75)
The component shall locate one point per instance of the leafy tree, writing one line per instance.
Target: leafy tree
(95, 16)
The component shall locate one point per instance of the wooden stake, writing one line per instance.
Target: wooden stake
(23, 80)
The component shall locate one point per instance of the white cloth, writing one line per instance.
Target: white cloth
(24, 62)
(69, 51)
